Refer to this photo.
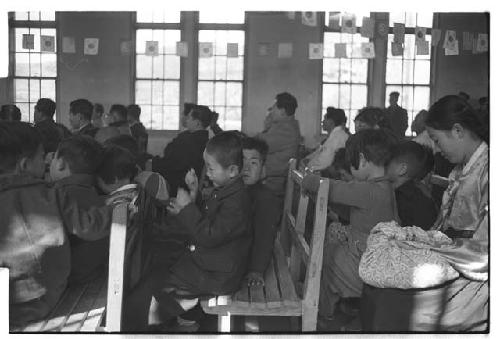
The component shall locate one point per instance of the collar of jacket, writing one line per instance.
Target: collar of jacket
(77, 179)
(118, 123)
(231, 187)
(12, 181)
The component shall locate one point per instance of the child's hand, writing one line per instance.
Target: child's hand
(192, 182)
(173, 207)
(310, 183)
(183, 198)
(255, 279)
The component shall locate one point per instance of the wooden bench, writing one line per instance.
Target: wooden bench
(83, 308)
(283, 293)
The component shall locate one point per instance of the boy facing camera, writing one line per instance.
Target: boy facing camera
(219, 229)
(266, 209)
(410, 163)
(73, 168)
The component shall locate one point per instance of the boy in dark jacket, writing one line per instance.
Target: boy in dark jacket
(73, 168)
(266, 209)
(36, 219)
(219, 227)
(410, 163)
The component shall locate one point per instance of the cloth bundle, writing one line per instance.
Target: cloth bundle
(403, 257)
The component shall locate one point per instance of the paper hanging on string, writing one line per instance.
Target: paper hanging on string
(482, 43)
(290, 15)
(420, 33)
(396, 48)
(368, 27)
(90, 46)
(28, 41)
(467, 41)
(309, 18)
(126, 47)
(449, 40)
(334, 20)
(422, 47)
(341, 50)
(382, 30)
(47, 43)
(152, 48)
(367, 50)
(232, 50)
(436, 36)
(285, 50)
(182, 49)
(452, 48)
(263, 48)
(399, 33)
(315, 51)
(68, 45)
(206, 49)
(349, 23)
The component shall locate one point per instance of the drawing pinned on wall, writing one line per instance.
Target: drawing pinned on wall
(232, 50)
(285, 50)
(206, 49)
(449, 39)
(422, 47)
(436, 36)
(420, 33)
(126, 47)
(382, 30)
(315, 51)
(152, 48)
(334, 20)
(47, 43)
(309, 19)
(368, 27)
(367, 50)
(68, 45)
(482, 43)
(399, 33)
(263, 48)
(90, 46)
(28, 41)
(341, 50)
(182, 49)
(396, 48)
(349, 23)
(452, 48)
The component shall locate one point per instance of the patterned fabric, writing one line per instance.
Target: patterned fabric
(401, 257)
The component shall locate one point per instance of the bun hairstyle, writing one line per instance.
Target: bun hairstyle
(452, 109)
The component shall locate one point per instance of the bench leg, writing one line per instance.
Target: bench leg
(309, 318)
(224, 323)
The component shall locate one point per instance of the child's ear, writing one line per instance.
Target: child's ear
(403, 169)
(233, 171)
(457, 130)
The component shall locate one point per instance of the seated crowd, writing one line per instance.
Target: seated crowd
(216, 198)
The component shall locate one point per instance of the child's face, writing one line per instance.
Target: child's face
(216, 173)
(327, 124)
(74, 120)
(394, 170)
(450, 144)
(252, 166)
(360, 125)
(192, 124)
(35, 165)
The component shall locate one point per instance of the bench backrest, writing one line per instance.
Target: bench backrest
(303, 254)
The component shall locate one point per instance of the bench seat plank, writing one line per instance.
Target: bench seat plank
(242, 296)
(58, 318)
(80, 313)
(95, 315)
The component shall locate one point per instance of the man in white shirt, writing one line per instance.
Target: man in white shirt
(334, 123)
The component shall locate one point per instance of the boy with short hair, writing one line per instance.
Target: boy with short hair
(73, 168)
(410, 163)
(219, 228)
(266, 208)
(117, 117)
(371, 200)
(52, 132)
(35, 219)
(80, 116)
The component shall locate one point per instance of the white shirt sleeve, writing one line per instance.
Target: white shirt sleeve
(326, 152)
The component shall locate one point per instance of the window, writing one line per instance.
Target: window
(34, 71)
(409, 74)
(157, 83)
(220, 76)
(345, 79)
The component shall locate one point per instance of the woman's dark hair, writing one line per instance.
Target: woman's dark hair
(452, 109)
(337, 115)
(373, 116)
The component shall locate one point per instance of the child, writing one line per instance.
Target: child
(220, 231)
(185, 151)
(266, 209)
(410, 163)
(52, 133)
(117, 117)
(73, 168)
(35, 219)
(80, 115)
(137, 128)
(371, 200)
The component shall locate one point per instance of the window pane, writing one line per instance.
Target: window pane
(157, 95)
(235, 68)
(34, 90)
(359, 96)
(408, 71)
(48, 16)
(172, 67)
(409, 47)
(232, 119)
(21, 90)
(331, 70)
(25, 111)
(216, 15)
(35, 65)
(398, 17)
(422, 94)
(220, 93)
(144, 66)
(49, 65)
(393, 71)
(157, 66)
(143, 92)
(18, 32)
(171, 93)
(206, 68)
(171, 117)
(170, 38)
(345, 96)
(48, 89)
(234, 94)
(21, 15)
(220, 68)
(142, 35)
(22, 64)
(422, 71)
(406, 97)
(206, 93)
(35, 16)
(167, 16)
(359, 70)
(157, 117)
(424, 19)
(145, 114)
(330, 95)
